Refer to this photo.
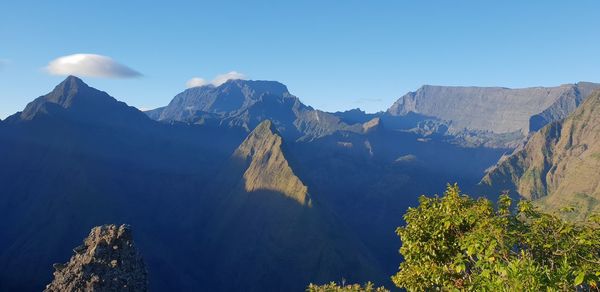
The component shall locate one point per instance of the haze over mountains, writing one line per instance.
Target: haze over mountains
(242, 186)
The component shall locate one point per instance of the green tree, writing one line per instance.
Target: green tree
(334, 287)
(455, 242)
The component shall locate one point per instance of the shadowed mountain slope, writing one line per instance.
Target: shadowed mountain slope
(77, 158)
(266, 231)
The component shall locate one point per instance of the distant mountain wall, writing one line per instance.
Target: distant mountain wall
(494, 109)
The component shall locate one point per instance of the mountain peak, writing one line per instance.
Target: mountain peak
(73, 99)
(267, 167)
(266, 126)
(72, 83)
(64, 92)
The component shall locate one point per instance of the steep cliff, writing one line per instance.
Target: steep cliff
(494, 109)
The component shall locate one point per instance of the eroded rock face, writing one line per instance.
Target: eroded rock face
(107, 261)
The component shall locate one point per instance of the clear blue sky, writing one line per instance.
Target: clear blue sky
(334, 55)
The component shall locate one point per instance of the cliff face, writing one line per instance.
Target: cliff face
(494, 109)
(107, 261)
(559, 164)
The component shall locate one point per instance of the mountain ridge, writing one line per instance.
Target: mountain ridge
(245, 104)
(495, 109)
(558, 165)
(268, 168)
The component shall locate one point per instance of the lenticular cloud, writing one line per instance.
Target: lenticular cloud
(90, 65)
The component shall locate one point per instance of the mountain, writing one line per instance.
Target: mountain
(493, 111)
(268, 168)
(77, 158)
(107, 261)
(247, 189)
(558, 166)
(70, 169)
(246, 103)
(74, 100)
(265, 220)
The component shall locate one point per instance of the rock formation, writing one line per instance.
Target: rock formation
(107, 261)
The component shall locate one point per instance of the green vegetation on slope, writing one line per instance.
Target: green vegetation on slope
(334, 287)
(557, 165)
(455, 242)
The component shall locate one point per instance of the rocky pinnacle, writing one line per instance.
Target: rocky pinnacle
(107, 261)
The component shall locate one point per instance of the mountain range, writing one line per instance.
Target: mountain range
(243, 187)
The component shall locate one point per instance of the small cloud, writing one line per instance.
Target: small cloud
(222, 78)
(195, 82)
(218, 80)
(90, 65)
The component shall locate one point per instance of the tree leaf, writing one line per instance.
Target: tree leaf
(579, 279)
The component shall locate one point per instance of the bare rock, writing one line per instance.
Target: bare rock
(107, 261)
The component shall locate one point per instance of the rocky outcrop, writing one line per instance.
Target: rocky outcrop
(559, 165)
(107, 261)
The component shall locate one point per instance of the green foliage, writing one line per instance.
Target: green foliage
(455, 242)
(334, 287)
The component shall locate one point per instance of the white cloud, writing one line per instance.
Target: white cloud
(90, 65)
(222, 78)
(218, 80)
(195, 82)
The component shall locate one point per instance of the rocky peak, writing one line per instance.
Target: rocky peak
(226, 99)
(267, 167)
(74, 100)
(107, 261)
